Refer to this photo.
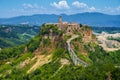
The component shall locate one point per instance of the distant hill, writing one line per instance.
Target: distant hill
(93, 19)
(14, 35)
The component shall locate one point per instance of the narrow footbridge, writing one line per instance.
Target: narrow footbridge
(74, 57)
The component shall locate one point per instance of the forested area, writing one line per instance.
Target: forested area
(13, 35)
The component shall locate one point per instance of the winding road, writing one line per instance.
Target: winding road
(72, 54)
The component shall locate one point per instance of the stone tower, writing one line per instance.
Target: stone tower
(60, 22)
(60, 19)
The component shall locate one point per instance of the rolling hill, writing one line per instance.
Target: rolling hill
(93, 19)
(13, 35)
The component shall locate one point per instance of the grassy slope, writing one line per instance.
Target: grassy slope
(103, 64)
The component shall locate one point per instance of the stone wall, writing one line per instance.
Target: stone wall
(72, 28)
(87, 35)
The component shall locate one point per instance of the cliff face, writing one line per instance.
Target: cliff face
(86, 34)
(51, 33)
(85, 31)
(51, 38)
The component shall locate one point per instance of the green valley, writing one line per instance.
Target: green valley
(14, 35)
(46, 57)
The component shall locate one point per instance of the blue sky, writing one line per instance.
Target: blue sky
(10, 8)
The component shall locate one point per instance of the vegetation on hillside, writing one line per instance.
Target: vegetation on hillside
(15, 62)
(13, 35)
(112, 38)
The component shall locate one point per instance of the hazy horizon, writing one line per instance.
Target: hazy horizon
(15, 8)
(56, 14)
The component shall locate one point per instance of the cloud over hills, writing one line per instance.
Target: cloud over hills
(60, 5)
(20, 7)
(78, 4)
(30, 6)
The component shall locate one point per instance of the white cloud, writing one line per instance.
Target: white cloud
(30, 6)
(60, 5)
(63, 7)
(27, 9)
(78, 4)
(111, 10)
(83, 6)
(92, 9)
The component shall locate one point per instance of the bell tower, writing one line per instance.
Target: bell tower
(60, 19)
(60, 22)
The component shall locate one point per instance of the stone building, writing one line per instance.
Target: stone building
(65, 26)
(68, 27)
(71, 28)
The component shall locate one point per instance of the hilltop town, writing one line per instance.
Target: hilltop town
(59, 49)
(59, 39)
(72, 28)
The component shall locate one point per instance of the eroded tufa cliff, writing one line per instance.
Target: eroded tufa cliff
(51, 38)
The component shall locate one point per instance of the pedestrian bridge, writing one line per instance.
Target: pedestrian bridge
(74, 57)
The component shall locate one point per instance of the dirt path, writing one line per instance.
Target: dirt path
(41, 60)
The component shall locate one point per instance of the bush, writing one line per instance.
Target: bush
(58, 53)
(34, 43)
(11, 52)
